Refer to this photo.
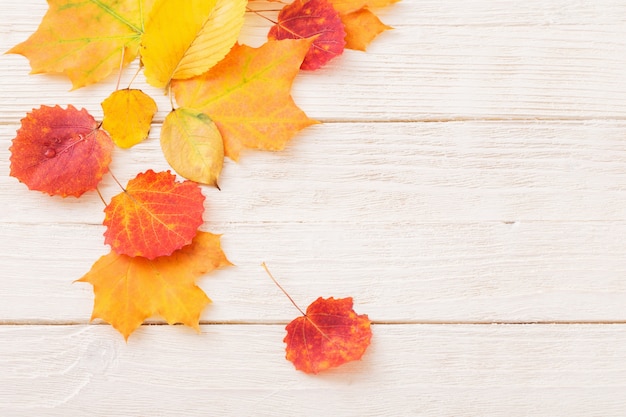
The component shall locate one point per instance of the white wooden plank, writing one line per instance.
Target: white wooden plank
(387, 173)
(493, 59)
(482, 272)
(425, 370)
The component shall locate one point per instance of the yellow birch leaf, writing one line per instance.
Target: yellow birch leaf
(362, 27)
(86, 40)
(193, 145)
(184, 38)
(127, 116)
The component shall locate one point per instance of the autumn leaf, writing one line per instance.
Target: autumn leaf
(315, 19)
(348, 6)
(86, 40)
(362, 27)
(127, 116)
(154, 216)
(128, 290)
(60, 151)
(328, 335)
(248, 95)
(185, 38)
(193, 145)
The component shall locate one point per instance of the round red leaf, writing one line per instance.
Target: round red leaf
(312, 18)
(154, 216)
(60, 151)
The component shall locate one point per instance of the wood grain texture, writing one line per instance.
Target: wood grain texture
(410, 370)
(452, 172)
(476, 272)
(443, 61)
(469, 171)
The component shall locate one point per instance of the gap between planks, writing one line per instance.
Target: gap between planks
(284, 323)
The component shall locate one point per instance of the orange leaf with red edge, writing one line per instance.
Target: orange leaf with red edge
(154, 216)
(348, 6)
(328, 335)
(248, 95)
(362, 27)
(60, 151)
(86, 40)
(316, 19)
(128, 290)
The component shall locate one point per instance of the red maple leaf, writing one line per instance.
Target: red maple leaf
(60, 151)
(312, 18)
(329, 334)
(154, 216)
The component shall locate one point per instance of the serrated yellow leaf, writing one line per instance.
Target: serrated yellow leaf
(128, 289)
(184, 38)
(127, 116)
(193, 145)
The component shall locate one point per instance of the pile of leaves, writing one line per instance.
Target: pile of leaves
(228, 97)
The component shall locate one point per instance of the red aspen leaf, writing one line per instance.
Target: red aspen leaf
(127, 116)
(85, 40)
(193, 145)
(185, 38)
(312, 18)
(248, 95)
(154, 216)
(60, 151)
(362, 27)
(129, 290)
(328, 335)
(348, 6)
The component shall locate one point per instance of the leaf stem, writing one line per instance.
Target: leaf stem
(116, 180)
(282, 289)
(134, 77)
(169, 91)
(101, 198)
(256, 12)
(119, 75)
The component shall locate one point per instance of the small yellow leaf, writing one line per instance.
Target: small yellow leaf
(193, 145)
(185, 38)
(127, 116)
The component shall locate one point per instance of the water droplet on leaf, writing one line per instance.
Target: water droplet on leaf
(50, 153)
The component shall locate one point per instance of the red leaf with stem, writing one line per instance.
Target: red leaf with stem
(329, 334)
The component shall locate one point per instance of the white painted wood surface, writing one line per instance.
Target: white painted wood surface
(470, 171)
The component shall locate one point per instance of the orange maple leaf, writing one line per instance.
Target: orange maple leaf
(362, 27)
(60, 151)
(86, 40)
(329, 334)
(128, 290)
(348, 6)
(248, 95)
(312, 18)
(154, 216)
